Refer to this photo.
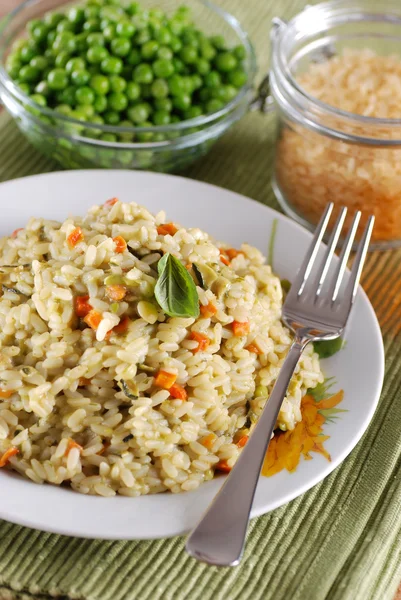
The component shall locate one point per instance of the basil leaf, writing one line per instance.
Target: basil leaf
(175, 289)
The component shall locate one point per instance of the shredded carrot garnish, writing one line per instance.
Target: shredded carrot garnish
(242, 441)
(223, 466)
(111, 202)
(7, 455)
(177, 391)
(165, 380)
(116, 292)
(16, 231)
(203, 341)
(121, 244)
(93, 319)
(240, 329)
(4, 394)
(82, 306)
(224, 258)
(106, 445)
(232, 253)
(253, 348)
(167, 229)
(208, 440)
(75, 237)
(123, 325)
(72, 444)
(208, 311)
(83, 381)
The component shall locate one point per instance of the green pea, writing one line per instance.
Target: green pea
(63, 109)
(196, 81)
(237, 78)
(225, 93)
(13, 70)
(25, 88)
(176, 85)
(134, 57)
(76, 15)
(66, 96)
(29, 74)
(193, 112)
(113, 13)
(100, 84)
(104, 23)
(212, 79)
(118, 101)
(140, 21)
(85, 95)
(95, 39)
(145, 136)
(176, 26)
(143, 74)
(51, 36)
(179, 66)
(239, 52)
(218, 42)
(53, 19)
(27, 52)
(126, 136)
(161, 117)
(39, 99)
(175, 44)
(138, 113)
(30, 27)
(202, 66)
(75, 64)
(57, 79)
(182, 102)
(163, 36)
(165, 53)
(39, 62)
(108, 137)
(125, 29)
(225, 62)
(143, 36)
(95, 54)
(80, 77)
(214, 105)
(91, 12)
(100, 104)
(120, 46)
(65, 25)
(111, 117)
(133, 8)
(163, 104)
(62, 59)
(81, 42)
(109, 32)
(117, 83)
(42, 88)
(149, 49)
(65, 41)
(91, 25)
(163, 68)
(189, 55)
(159, 88)
(112, 65)
(39, 33)
(133, 91)
(207, 51)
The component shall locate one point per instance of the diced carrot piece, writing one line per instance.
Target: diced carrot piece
(223, 466)
(232, 253)
(16, 231)
(82, 306)
(121, 244)
(4, 394)
(123, 325)
(111, 202)
(208, 440)
(116, 292)
(75, 237)
(253, 348)
(224, 258)
(203, 341)
(208, 311)
(167, 229)
(93, 319)
(177, 391)
(242, 441)
(83, 381)
(240, 329)
(188, 266)
(72, 444)
(165, 380)
(106, 445)
(7, 455)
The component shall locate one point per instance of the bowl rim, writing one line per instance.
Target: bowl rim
(12, 88)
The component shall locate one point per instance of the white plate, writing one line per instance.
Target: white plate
(358, 368)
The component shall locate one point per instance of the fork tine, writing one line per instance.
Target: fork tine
(356, 271)
(335, 234)
(345, 252)
(310, 257)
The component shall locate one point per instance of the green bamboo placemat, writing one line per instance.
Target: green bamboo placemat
(339, 541)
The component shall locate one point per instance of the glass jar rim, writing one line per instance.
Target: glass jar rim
(291, 96)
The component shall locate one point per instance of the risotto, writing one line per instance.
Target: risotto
(102, 386)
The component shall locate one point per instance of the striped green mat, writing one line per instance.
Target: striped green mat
(339, 541)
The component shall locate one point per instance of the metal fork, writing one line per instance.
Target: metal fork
(313, 311)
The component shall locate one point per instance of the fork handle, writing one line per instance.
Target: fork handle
(219, 537)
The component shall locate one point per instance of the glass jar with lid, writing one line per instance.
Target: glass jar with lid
(336, 81)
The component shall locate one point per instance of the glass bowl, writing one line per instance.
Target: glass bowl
(75, 144)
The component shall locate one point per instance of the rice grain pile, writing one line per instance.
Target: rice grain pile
(101, 389)
(312, 169)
